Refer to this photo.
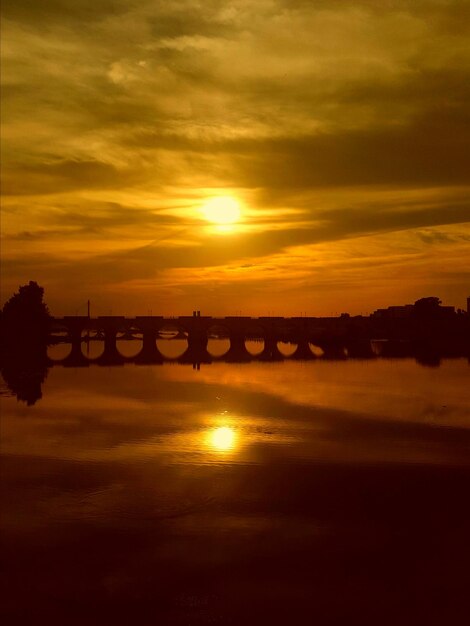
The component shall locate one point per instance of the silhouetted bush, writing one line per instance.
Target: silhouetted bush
(25, 317)
(25, 321)
(24, 374)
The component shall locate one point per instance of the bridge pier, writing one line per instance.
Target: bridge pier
(75, 336)
(237, 352)
(270, 351)
(303, 351)
(111, 325)
(76, 358)
(150, 352)
(111, 355)
(360, 349)
(333, 350)
(149, 339)
(197, 339)
(195, 355)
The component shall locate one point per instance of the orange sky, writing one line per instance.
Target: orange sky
(341, 129)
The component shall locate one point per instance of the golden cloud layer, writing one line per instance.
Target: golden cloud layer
(341, 127)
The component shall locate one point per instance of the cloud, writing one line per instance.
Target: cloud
(333, 121)
(64, 175)
(60, 11)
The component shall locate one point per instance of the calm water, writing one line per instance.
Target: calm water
(322, 492)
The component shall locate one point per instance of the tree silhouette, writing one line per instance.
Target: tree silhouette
(426, 307)
(24, 374)
(25, 321)
(25, 317)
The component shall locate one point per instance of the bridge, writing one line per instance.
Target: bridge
(331, 334)
(335, 336)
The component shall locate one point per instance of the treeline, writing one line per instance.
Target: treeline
(24, 330)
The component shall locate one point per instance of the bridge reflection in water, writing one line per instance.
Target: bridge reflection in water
(202, 340)
(24, 372)
(70, 355)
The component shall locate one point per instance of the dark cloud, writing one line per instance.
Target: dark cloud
(49, 12)
(113, 214)
(432, 151)
(99, 220)
(436, 238)
(65, 175)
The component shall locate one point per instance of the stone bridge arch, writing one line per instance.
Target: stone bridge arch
(219, 340)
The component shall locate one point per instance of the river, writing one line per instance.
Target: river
(320, 492)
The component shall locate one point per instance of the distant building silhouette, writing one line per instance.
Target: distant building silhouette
(394, 312)
(429, 307)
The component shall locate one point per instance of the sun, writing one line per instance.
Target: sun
(222, 439)
(222, 210)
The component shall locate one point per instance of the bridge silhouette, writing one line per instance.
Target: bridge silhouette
(24, 366)
(337, 337)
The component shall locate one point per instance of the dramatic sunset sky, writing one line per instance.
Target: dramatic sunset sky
(330, 137)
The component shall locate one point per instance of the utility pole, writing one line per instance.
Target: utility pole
(88, 330)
